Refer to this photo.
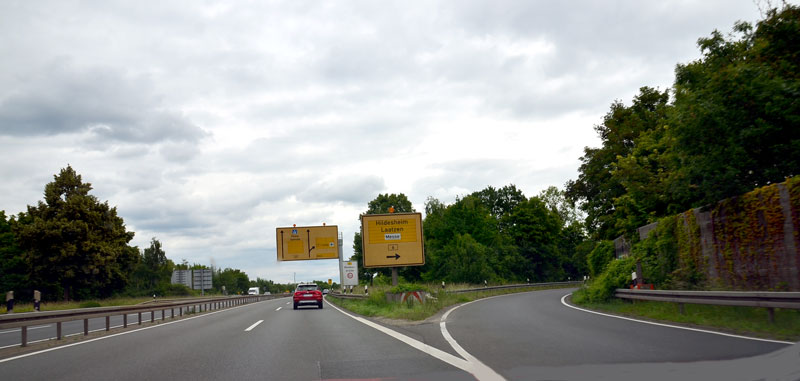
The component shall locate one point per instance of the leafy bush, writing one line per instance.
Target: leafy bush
(658, 253)
(408, 287)
(602, 254)
(178, 290)
(89, 304)
(600, 289)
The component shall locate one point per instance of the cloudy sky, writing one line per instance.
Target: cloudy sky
(209, 124)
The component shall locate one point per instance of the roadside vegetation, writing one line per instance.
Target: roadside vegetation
(60, 305)
(376, 304)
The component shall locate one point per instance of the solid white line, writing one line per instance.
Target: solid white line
(30, 342)
(20, 330)
(288, 303)
(250, 328)
(435, 352)
(482, 372)
(125, 333)
(563, 301)
(278, 309)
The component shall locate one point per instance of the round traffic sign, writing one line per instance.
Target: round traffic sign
(349, 275)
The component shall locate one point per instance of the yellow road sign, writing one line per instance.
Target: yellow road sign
(392, 240)
(301, 243)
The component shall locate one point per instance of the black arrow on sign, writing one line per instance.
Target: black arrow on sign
(283, 250)
(308, 239)
(395, 256)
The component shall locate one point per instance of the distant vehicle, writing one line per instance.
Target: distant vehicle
(307, 293)
(267, 293)
(253, 291)
(325, 291)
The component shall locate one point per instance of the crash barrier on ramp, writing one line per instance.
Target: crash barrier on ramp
(767, 299)
(489, 288)
(27, 319)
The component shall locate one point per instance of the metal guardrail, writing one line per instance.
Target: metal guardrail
(767, 299)
(26, 319)
(348, 296)
(511, 286)
(490, 288)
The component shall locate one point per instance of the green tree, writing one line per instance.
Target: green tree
(13, 268)
(155, 263)
(467, 228)
(596, 190)
(737, 109)
(76, 242)
(234, 280)
(556, 200)
(535, 230)
(501, 201)
(154, 257)
(463, 259)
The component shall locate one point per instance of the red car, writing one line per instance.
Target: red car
(307, 293)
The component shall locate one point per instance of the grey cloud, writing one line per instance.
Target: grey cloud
(352, 189)
(460, 178)
(108, 104)
(471, 175)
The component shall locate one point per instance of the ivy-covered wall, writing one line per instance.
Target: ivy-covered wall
(750, 242)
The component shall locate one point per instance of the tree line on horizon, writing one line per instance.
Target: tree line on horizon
(495, 235)
(71, 246)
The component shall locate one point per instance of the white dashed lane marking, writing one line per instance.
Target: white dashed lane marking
(250, 328)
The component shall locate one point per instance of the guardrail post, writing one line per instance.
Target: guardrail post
(172, 312)
(771, 312)
(108, 323)
(124, 320)
(680, 308)
(58, 331)
(140, 318)
(152, 316)
(85, 327)
(24, 336)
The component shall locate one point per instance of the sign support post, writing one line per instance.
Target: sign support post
(394, 276)
(341, 261)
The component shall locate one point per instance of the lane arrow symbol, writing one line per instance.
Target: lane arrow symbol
(395, 256)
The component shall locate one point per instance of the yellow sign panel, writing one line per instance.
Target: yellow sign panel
(301, 243)
(392, 240)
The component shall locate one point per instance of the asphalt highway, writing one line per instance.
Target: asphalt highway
(521, 336)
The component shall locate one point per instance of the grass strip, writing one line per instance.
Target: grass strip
(749, 321)
(58, 306)
(376, 304)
